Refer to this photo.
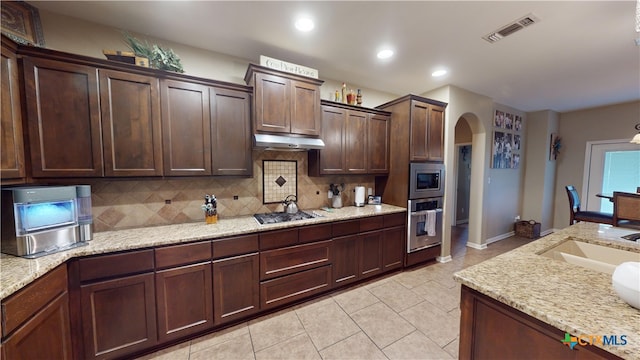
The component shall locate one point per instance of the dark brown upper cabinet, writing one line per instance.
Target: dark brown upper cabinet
(206, 130)
(356, 141)
(63, 117)
(11, 145)
(284, 103)
(186, 128)
(231, 132)
(131, 127)
(427, 132)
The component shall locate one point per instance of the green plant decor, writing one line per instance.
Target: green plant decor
(159, 57)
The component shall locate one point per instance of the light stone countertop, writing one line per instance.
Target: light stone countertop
(17, 272)
(569, 297)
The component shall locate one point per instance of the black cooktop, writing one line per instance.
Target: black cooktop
(278, 217)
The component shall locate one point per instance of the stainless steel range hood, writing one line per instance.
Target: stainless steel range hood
(281, 142)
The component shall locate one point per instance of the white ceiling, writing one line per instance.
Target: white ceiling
(581, 54)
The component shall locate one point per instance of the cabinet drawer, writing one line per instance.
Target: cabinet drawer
(279, 238)
(104, 266)
(25, 303)
(233, 246)
(285, 261)
(294, 287)
(183, 254)
(395, 219)
(347, 227)
(314, 233)
(371, 223)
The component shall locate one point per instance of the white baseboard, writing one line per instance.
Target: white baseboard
(444, 259)
(476, 246)
(548, 231)
(500, 237)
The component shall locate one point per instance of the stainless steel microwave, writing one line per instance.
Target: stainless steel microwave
(426, 180)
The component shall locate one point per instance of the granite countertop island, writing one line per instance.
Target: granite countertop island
(569, 297)
(17, 272)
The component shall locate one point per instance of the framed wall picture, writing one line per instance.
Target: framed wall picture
(21, 23)
(507, 140)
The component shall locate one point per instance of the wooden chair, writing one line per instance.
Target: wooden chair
(626, 209)
(588, 216)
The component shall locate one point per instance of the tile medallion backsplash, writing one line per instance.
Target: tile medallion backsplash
(279, 180)
(141, 202)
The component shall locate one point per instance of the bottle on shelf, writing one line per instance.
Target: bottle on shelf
(344, 92)
(359, 98)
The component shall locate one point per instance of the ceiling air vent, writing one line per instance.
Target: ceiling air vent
(510, 28)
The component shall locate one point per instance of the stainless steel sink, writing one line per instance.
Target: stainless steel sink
(591, 256)
(278, 217)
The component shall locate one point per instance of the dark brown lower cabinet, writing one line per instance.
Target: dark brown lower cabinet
(357, 257)
(393, 248)
(370, 253)
(236, 287)
(184, 300)
(35, 320)
(118, 316)
(345, 255)
(290, 288)
(490, 329)
(45, 336)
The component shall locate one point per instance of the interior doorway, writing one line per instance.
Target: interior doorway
(463, 184)
(462, 174)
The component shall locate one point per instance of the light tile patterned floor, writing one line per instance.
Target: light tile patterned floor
(409, 315)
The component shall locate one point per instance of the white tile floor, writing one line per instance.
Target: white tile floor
(409, 315)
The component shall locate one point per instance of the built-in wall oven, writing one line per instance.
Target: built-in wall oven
(426, 180)
(424, 225)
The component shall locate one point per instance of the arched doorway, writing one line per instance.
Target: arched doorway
(469, 140)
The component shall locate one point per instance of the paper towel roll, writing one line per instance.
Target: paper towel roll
(360, 196)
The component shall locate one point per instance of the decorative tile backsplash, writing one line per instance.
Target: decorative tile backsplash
(279, 180)
(126, 203)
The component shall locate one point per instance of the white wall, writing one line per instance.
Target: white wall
(540, 171)
(576, 128)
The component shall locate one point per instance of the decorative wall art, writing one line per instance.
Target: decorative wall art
(21, 23)
(554, 148)
(279, 180)
(507, 140)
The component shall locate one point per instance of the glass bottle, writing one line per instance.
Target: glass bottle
(359, 98)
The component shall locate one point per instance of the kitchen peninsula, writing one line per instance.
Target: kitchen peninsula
(169, 283)
(521, 304)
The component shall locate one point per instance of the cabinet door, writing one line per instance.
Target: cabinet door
(63, 116)
(231, 132)
(11, 144)
(272, 103)
(333, 157)
(370, 253)
(436, 133)
(118, 316)
(235, 287)
(356, 142)
(47, 335)
(306, 117)
(393, 248)
(186, 134)
(345, 263)
(419, 131)
(378, 144)
(131, 124)
(184, 300)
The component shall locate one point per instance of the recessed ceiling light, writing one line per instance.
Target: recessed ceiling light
(439, 73)
(304, 24)
(385, 54)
